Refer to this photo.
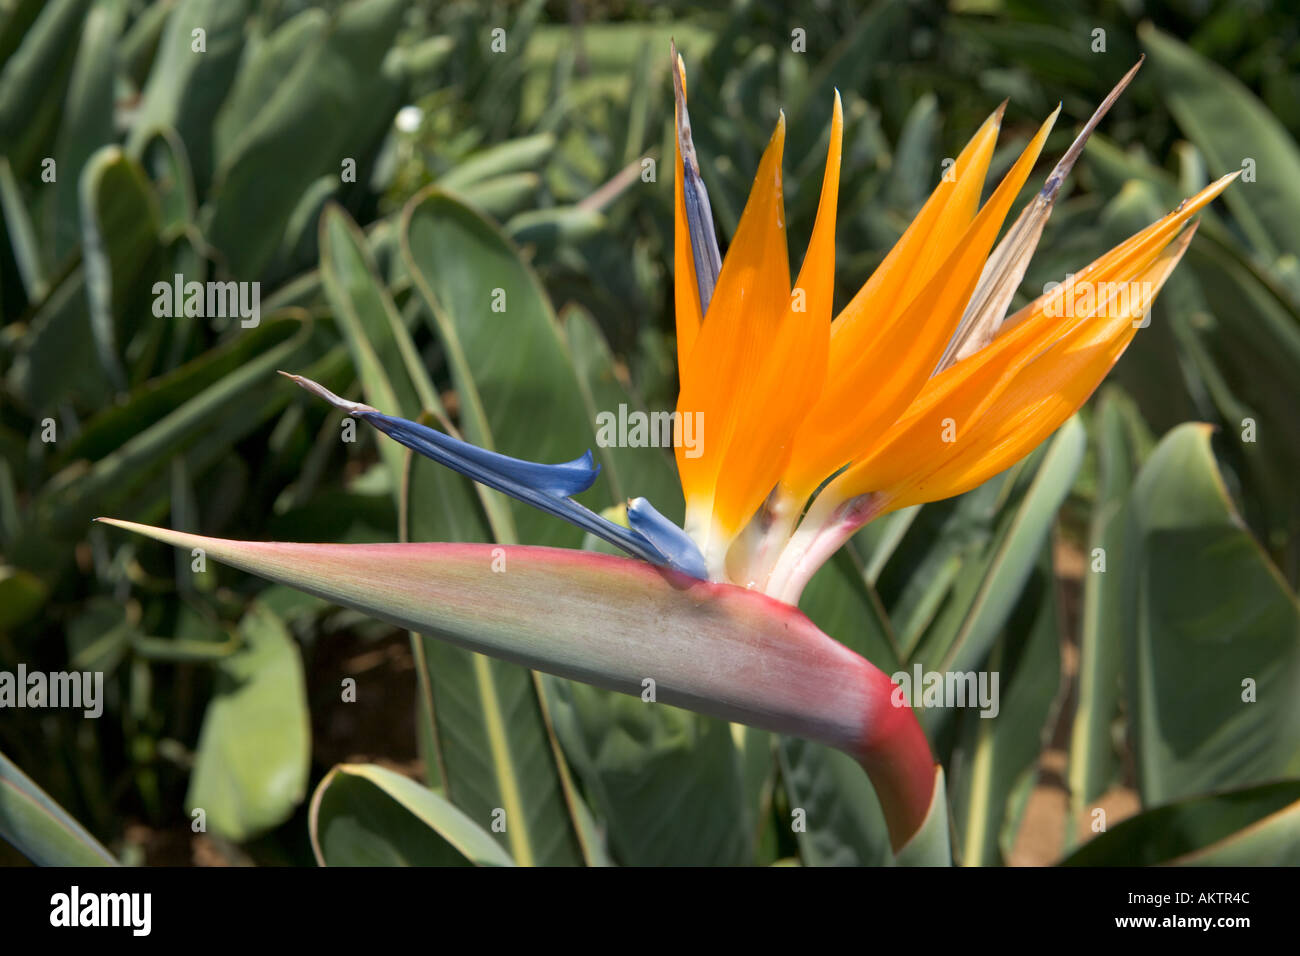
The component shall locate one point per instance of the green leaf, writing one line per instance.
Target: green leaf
(387, 363)
(494, 748)
(87, 122)
(41, 829)
(502, 195)
(517, 155)
(1000, 744)
(120, 225)
(151, 402)
(22, 595)
(842, 604)
(163, 155)
(1229, 125)
(556, 227)
(1092, 756)
(647, 472)
(841, 823)
(254, 751)
(186, 87)
(986, 590)
(524, 400)
(100, 636)
(363, 815)
(932, 843)
(267, 61)
(22, 235)
(1213, 634)
(318, 115)
(667, 783)
(34, 79)
(1253, 826)
(239, 399)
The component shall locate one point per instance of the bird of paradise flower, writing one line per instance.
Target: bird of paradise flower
(921, 388)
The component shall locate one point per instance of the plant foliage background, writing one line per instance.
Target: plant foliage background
(1122, 690)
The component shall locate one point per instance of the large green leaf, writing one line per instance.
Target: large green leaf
(840, 822)
(493, 748)
(239, 400)
(844, 605)
(34, 79)
(1256, 826)
(267, 61)
(87, 122)
(59, 337)
(1092, 750)
(1000, 744)
(41, 829)
(186, 87)
(21, 233)
(665, 782)
(1213, 634)
(631, 472)
(524, 400)
(363, 815)
(120, 224)
(325, 104)
(1230, 125)
(254, 751)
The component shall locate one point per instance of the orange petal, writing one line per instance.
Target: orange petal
(872, 382)
(884, 295)
(1006, 266)
(733, 350)
(793, 369)
(963, 392)
(1001, 405)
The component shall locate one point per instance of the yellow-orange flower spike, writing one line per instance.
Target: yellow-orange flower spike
(963, 403)
(759, 357)
(882, 359)
(920, 389)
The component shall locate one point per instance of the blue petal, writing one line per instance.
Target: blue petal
(545, 487)
(568, 478)
(699, 214)
(676, 545)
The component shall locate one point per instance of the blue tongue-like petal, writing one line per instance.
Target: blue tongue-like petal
(565, 479)
(676, 545)
(546, 487)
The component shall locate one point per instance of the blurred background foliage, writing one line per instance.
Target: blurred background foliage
(1122, 683)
